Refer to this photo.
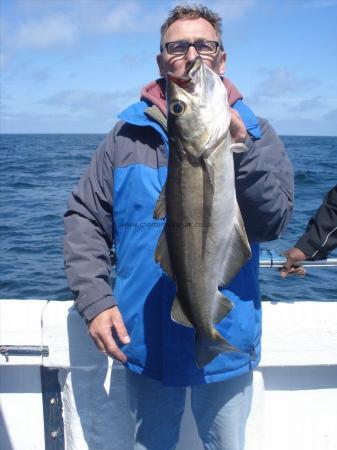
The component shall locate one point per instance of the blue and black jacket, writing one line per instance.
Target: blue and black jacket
(113, 205)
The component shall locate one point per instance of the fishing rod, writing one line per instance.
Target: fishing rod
(270, 259)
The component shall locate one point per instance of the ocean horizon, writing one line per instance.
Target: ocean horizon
(39, 170)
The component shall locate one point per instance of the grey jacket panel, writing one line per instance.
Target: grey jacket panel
(138, 145)
(264, 186)
(89, 235)
(88, 220)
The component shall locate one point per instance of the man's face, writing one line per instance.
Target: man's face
(190, 30)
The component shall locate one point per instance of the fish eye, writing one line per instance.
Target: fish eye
(177, 108)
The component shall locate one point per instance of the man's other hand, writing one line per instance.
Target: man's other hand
(293, 254)
(237, 127)
(107, 328)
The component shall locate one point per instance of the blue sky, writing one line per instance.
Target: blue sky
(71, 66)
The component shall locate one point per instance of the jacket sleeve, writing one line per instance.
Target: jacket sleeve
(264, 185)
(320, 237)
(89, 235)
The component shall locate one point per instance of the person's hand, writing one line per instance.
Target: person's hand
(237, 127)
(107, 328)
(293, 254)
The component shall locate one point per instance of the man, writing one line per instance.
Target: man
(114, 204)
(319, 239)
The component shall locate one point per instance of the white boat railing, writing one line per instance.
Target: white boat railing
(295, 387)
(270, 259)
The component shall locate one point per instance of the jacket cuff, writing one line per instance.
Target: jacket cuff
(308, 249)
(91, 311)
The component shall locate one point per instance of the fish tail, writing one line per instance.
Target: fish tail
(207, 350)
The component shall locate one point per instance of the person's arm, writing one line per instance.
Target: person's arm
(88, 239)
(264, 185)
(319, 238)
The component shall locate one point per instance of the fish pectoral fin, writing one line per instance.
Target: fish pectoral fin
(210, 171)
(238, 252)
(160, 208)
(178, 315)
(238, 147)
(162, 255)
(207, 350)
(223, 306)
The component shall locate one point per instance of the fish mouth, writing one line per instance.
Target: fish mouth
(193, 69)
(182, 82)
(190, 77)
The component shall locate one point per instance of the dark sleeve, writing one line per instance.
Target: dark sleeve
(264, 185)
(89, 235)
(320, 237)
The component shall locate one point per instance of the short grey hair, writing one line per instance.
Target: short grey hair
(192, 12)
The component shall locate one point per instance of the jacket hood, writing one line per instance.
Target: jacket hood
(155, 93)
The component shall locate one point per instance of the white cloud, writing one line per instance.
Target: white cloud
(123, 17)
(282, 93)
(132, 60)
(319, 4)
(41, 75)
(229, 10)
(308, 105)
(48, 32)
(30, 122)
(298, 115)
(331, 116)
(36, 74)
(232, 10)
(45, 27)
(319, 125)
(4, 32)
(5, 104)
(282, 82)
(93, 102)
(3, 60)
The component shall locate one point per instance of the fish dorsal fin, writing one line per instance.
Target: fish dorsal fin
(223, 306)
(160, 209)
(237, 253)
(162, 255)
(178, 315)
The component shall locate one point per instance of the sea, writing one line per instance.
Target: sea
(38, 172)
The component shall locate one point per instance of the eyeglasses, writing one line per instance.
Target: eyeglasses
(182, 47)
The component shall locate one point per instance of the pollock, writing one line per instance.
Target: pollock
(204, 243)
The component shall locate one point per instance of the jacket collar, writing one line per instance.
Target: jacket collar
(137, 114)
(155, 93)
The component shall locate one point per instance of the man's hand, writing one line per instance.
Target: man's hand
(237, 127)
(105, 329)
(293, 254)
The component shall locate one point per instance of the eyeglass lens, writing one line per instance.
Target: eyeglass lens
(202, 47)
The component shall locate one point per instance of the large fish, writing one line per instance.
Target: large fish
(204, 243)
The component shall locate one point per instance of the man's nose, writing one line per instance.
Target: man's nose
(191, 54)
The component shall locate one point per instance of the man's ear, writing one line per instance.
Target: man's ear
(223, 58)
(160, 64)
